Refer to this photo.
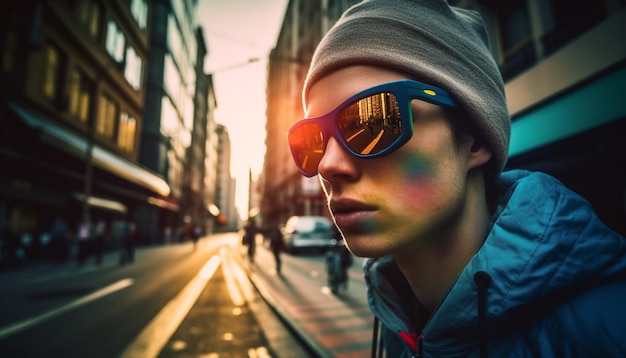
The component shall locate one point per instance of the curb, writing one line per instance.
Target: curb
(309, 344)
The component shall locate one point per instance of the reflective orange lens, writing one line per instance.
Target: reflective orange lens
(307, 143)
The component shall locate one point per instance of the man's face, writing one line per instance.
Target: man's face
(400, 201)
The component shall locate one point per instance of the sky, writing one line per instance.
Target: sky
(237, 33)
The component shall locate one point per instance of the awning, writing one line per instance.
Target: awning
(164, 203)
(103, 203)
(102, 158)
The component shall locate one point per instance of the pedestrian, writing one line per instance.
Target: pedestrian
(99, 232)
(276, 245)
(197, 232)
(338, 261)
(249, 237)
(338, 245)
(60, 239)
(83, 237)
(465, 259)
(129, 235)
(167, 234)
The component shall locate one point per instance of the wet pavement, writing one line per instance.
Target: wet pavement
(230, 319)
(292, 314)
(246, 310)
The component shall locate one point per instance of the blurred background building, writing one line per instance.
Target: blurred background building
(166, 136)
(564, 65)
(72, 111)
(228, 217)
(106, 114)
(285, 192)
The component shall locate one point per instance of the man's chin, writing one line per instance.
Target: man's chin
(365, 246)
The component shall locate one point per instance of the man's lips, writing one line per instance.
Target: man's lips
(346, 206)
(349, 214)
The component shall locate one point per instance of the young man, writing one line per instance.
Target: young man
(249, 237)
(276, 245)
(465, 260)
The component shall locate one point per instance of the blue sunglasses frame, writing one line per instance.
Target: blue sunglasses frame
(404, 90)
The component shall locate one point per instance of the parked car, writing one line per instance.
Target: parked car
(307, 233)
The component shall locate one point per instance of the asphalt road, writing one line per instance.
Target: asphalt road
(177, 301)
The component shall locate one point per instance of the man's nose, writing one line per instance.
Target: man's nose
(336, 160)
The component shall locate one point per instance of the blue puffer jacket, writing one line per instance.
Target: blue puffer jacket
(549, 281)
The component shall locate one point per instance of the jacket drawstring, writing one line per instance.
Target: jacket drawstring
(377, 350)
(482, 281)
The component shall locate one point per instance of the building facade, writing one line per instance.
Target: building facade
(564, 66)
(283, 190)
(72, 103)
(211, 160)
(198, 186)
(169, 108)
(227, 219)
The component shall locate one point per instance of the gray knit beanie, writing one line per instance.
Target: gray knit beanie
(429, 41)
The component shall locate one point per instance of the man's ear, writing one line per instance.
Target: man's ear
(479, 153)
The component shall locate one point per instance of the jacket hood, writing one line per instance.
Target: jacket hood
(544, 239)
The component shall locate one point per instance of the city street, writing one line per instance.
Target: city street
(177, 301)
(468, 140)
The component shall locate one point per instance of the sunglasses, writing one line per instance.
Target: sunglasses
(370, 124)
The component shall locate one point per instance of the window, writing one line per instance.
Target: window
(570, 19)
(8, 42)
(517, 39)
(139, 9)
(115, 42)
(89, 15)
(134, 68)
(52, 68)
(80, 95)
(173, 84)
(126, 133)
(105, 123)
(9, 52)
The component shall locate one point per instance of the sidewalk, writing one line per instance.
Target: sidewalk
(331, 326)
